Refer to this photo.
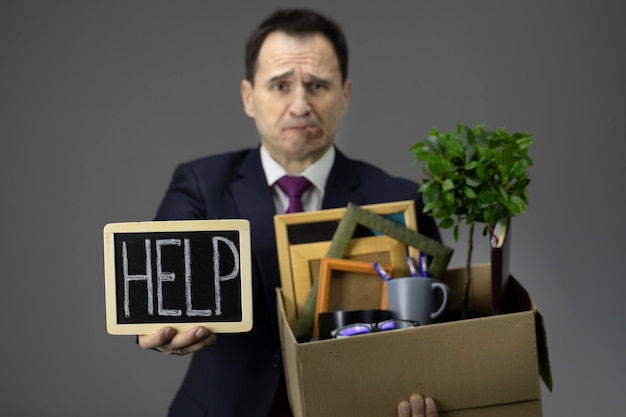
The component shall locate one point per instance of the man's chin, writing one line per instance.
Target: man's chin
(308, 148)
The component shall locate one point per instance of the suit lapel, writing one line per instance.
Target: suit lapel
(343, 184)
(254, 202)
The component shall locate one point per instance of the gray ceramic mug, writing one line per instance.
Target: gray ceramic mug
(416, 299)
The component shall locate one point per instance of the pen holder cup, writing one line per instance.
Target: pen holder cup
(417, 299)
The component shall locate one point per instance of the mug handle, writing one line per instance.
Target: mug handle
(445, 290)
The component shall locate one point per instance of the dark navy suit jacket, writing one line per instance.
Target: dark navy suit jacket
(240, 374)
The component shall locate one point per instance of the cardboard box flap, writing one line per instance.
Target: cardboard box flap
(542, 349)
(518, 299)
(289, 348)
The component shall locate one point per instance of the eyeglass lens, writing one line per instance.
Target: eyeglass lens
(363, 328)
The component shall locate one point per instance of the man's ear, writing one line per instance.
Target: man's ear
(347, 93)
(246, 98)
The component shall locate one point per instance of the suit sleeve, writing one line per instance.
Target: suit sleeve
(183, 199)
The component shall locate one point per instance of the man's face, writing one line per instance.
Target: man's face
(297, 99)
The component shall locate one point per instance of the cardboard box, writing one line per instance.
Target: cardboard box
(486, 366)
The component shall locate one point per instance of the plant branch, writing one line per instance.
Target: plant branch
(468, 271)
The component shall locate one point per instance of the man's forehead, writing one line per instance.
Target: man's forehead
(282, 53)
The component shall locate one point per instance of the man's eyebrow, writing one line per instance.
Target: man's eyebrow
(316, 79)
(288, 74)
(280, 77)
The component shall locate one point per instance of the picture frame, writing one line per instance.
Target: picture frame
(306, 259)
(367, 289)
(295, 231)
(361, 216)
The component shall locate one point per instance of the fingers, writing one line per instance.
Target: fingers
(431, 408)
(404, 409)
(167, 340)
(421, 407)
(161, 336)
(417, 406)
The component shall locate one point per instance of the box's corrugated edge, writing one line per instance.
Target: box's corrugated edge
(521, 409)
(542, 349)
(517, 292)
(289, 349)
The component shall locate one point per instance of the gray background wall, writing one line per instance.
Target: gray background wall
(100, 100)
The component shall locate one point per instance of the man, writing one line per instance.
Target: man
(296, 90)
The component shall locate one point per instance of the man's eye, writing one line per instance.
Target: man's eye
(279, 87)
(317, 87)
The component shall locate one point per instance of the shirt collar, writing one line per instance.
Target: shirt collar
(316, 173)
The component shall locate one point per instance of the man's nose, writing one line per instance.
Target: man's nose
(300, 105)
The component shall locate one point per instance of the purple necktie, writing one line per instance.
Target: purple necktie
(294, 187)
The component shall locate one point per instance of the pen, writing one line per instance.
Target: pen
(381, 272)
(422, 265)
(412, 269)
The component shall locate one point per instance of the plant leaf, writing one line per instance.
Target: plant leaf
(469, 193)
(432, 142)
(516, 205)
(449, 197)
(447, 185)
(473, 181)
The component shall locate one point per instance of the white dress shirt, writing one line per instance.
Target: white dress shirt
(317, 174)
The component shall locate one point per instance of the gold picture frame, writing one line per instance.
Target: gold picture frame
(306, 260)
(366, 294)
(297, 260)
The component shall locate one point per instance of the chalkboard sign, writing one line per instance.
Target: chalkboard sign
(180, 274)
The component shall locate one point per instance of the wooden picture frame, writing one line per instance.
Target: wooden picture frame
(361, 296)
(306, 259)
(355, 216)
(320, 227)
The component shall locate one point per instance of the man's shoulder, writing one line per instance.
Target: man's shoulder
(373, 174)
(223, 165)
(216, 161)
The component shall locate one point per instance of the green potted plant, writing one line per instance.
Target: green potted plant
(473, 176)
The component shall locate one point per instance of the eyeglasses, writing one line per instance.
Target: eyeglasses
(364, 328)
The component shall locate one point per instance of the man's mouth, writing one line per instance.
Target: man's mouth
(309, 129)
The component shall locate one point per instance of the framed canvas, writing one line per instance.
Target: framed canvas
(302, 239)
(346, 284)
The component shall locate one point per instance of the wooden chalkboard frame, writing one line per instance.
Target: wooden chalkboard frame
(243, 324)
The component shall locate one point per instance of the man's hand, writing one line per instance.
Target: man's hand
(417, 406)
(167, 340)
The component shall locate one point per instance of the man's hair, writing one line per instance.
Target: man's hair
(296, 22)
